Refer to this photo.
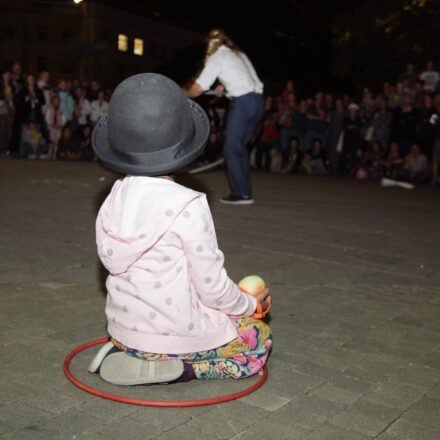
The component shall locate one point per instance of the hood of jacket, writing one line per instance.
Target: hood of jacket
(135, 215)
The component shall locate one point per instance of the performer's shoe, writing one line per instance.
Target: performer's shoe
(237, 200)
(103, 352)
(123, 369)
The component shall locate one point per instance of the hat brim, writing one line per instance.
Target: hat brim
(157, 162)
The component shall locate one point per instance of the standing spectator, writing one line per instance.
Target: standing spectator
(334, 134)
(416, 167)
(291, 122)
(17, 77)
(55, 120)
(409, 75)
(417, 94)
(269, 136)
(98, 108)
(425, 130)
(396, 99)
(17, 83)
(66, 100)
(430, 77)
(381, 123)
(368, 103)
(6, 110)
(289, 89)
(92, 92)
(328, 105)
(404, 121)
(44, 86)
(81, 106)
(316, 121)
(33, 102)
(352, 139)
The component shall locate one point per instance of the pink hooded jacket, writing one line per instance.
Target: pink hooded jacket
(168, 291)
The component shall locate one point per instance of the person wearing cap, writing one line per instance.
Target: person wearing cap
(225, 62)
(352, 138)
(172, 311)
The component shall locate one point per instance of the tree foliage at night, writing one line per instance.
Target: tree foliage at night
(373, 43)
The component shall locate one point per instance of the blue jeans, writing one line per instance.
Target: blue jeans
(244, 114)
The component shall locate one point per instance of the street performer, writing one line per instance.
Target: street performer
(225, 62)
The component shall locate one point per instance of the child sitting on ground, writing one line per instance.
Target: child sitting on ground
(173, 313)
(33, 145)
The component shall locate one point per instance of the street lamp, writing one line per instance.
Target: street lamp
(77, 2)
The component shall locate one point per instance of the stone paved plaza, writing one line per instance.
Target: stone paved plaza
(354, 273)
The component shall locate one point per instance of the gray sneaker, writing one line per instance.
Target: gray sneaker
(122, 369)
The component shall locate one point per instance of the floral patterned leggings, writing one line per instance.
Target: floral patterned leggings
(242, 357)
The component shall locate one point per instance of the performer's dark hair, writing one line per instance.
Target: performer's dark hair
(215, 39)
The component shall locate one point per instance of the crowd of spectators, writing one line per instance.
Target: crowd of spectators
(393, 134)
(39, 120)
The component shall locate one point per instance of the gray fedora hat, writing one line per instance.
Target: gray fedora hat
(151, 127)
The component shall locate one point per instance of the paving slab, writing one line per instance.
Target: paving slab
(353, 270)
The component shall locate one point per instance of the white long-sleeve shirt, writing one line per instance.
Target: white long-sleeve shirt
(234, 71)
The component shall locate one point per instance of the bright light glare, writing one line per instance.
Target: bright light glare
(77, 2)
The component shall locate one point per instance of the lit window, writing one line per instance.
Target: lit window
(138, 48)
(122, 42)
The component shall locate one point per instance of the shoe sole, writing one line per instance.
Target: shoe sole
(122, 369)
(237, 202)
(99, 357)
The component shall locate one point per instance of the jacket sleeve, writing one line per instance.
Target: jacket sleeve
(195, 230)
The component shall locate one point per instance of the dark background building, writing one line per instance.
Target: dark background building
(100, 40)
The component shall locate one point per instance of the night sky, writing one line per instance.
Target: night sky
(283, 38)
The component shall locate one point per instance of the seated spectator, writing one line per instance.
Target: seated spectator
(314, 160)
(213, 149)
(295, 157)
(416, 167)
(86, 152)
(55, 120)
(98, 108)
(394, 161)
(68, 145)
(33, 144)
(371, 164)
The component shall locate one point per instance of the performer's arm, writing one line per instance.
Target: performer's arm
(194, 91)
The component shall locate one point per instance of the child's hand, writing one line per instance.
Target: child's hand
(264, 299)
